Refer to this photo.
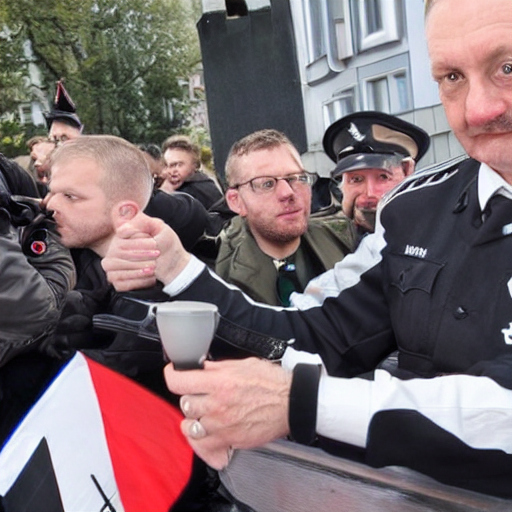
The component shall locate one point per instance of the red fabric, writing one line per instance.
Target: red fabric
(152, 461)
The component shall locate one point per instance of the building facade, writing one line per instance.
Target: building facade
(350, 55)
(367, 55)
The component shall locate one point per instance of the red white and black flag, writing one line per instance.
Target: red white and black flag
(95, 441)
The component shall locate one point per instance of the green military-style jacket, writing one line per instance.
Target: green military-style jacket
(241, 262)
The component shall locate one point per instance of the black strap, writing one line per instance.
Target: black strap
(126, 309)
(304, 402)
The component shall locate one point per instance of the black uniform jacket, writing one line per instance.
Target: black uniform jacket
(438, 291)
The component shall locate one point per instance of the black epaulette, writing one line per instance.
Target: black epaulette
(428, 176)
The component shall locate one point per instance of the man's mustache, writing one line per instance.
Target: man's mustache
(501, 124)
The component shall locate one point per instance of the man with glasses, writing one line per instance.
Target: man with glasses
(271, 249)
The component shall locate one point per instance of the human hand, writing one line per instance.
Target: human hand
(143, 250)
(41, 153)
(231, 404)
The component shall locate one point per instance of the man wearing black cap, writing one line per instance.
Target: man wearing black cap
(373, 152)
(62, 121)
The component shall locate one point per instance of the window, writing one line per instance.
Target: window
(388, 93)
(402, 92)
(377, 22)
(328, 29)
(340, 31)
(329, 37)
(314, 11)
(26, 114)
(378, 95)
(373, 17)
(341, 105)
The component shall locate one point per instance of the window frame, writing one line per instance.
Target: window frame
(395, 105)
(338, 99)
(336, 33)
(312, 55)
(389, 31)
(25, 113)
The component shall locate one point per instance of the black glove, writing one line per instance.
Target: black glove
(36, 223)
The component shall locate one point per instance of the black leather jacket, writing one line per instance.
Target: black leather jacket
(36, 271)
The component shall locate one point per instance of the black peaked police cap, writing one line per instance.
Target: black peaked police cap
(374, 133)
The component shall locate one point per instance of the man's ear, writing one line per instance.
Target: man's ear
(408, 165)
(235, 202)
(124, 211)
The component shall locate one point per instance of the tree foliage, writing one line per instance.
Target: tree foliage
(12, 68)
(122, 60)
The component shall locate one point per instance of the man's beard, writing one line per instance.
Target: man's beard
(279, 236)
(365, 219)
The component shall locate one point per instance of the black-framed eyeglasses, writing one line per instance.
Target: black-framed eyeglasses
(268, 184)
